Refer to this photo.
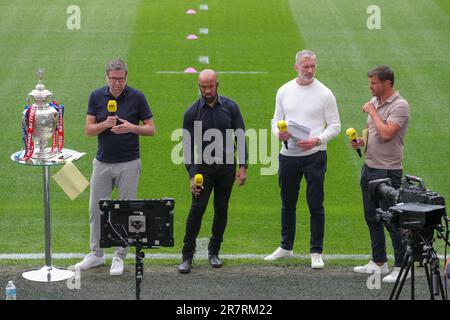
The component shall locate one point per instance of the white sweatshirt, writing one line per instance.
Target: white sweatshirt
(313, 106)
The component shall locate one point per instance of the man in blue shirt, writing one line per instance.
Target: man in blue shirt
(214, 123)
(117, 163)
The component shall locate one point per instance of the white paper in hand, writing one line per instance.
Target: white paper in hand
(298, 132)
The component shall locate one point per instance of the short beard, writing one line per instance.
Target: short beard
(210, 99)
(305, 78)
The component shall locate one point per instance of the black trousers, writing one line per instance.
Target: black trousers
(376, 228)
(219, 178)
(291, 172)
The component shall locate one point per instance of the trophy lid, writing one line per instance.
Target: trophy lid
(40, 93)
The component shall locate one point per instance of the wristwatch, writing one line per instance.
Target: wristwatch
(320, 141)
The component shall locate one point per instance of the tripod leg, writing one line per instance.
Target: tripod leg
(437, 282)
(139, 271)
(405, 264)
(409, 266)
(138, 282)
(441, 286)
(412, 278)
(405, 261)
(429, 281)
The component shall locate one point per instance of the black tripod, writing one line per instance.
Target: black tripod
(139, 267)
(420, 249)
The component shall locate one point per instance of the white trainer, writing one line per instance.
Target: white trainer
(116, 267)
(90, 261)
(317, 261)
(280, 253)
(372, 267)
(392, 277)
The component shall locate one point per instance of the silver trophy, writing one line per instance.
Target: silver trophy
(45, 120)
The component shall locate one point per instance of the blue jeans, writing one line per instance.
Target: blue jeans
(290, 174)
(376, 228)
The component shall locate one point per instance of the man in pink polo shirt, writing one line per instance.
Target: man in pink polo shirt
(387, 121)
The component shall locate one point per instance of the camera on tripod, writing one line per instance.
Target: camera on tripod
(417, 213)
(412, 207)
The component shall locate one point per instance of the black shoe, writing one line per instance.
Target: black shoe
(185, 266)
(215, 261)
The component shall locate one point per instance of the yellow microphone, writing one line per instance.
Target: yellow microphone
(112, 107)
(198, 180)
(352, 134)
(282, 127)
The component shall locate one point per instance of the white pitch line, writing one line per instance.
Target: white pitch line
(221, 72)
(161, 256)
(204, 7)
(243, 72)
(203, 31)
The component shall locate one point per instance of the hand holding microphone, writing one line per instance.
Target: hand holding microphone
(197, 184)
(353, 137)
(284, 135)
(112, 109)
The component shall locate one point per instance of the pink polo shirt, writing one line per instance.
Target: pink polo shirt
(388, 155)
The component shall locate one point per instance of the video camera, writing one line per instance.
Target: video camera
(412, 207)
(417, 213)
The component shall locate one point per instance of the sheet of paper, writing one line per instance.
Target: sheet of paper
(71, 180)
(298, 132)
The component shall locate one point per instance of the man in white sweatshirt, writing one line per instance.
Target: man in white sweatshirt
(306, 105)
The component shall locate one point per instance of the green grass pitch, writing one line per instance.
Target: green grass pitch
(243, 36)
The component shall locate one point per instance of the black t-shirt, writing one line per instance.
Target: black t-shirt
(131, 106)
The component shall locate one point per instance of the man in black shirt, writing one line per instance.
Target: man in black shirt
(214, 123)
(117, 163)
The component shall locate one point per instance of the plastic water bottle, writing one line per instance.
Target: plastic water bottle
(10, 291)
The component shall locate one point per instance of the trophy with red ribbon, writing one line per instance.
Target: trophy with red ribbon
(42, 120)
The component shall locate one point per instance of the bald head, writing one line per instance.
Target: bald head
(207, 75)
(207, 82)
